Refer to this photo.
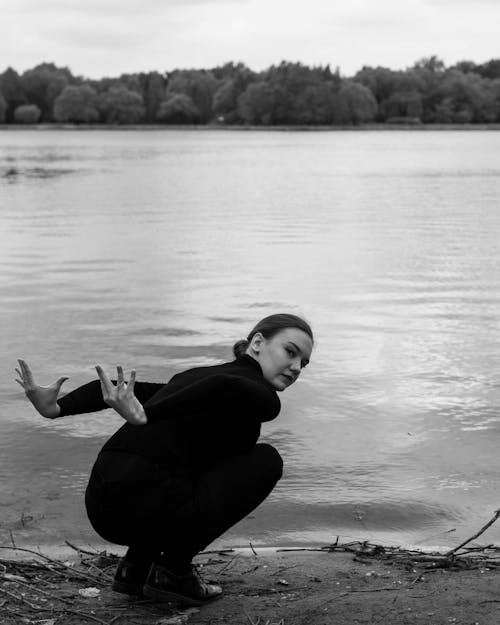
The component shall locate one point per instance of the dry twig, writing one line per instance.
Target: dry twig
(485, 527)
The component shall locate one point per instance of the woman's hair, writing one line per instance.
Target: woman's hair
(269, 327)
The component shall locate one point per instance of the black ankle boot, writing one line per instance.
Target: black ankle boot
(130, 577)
(188, 589)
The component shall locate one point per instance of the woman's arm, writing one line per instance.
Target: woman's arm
(223, 392)
(84, 399)
(89, 398)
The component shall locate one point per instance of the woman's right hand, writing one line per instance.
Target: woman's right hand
(43, 398)
(121, 397)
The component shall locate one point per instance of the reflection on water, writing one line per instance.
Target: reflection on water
(157, 250)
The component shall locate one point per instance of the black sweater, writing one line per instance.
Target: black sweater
(199, 417)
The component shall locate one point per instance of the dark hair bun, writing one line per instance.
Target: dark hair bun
(240, 347)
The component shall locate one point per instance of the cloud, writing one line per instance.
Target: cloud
(110, 37)
(108, 7)
(464, 3)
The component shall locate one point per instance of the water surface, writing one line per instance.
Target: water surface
(158, 250)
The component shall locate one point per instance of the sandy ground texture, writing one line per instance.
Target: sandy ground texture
(341, 586)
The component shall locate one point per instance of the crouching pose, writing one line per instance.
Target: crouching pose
(186, 465)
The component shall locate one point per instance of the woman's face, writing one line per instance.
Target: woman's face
(283, 356)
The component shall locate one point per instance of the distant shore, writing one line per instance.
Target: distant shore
(165, 127)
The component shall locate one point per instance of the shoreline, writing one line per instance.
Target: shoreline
(248, 128)
(24, 551)
(361, 585)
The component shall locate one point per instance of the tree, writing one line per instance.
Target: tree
(231, 71)
(225, 104)
(131, 81)
(199, 85)
(153, 93)
(76, 104)
(466, 98)
(293, 84)
(385, 84)
(381, 81)
(120, 105)
(43, 84)
(3, 108)
(12, 91)
(432, 64)
(357, 104)
(495, 87)
(290, 93)
(491, 69)
(430, 71)
(257, 105)
(27, 114)
(466, 67)
(317, 104)
(402, 104)
(233, 80)
(178, 108)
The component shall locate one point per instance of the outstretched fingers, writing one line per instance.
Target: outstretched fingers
(106, 384)
(119, 372)
(61, 381)
(131, 381)
(25, 373)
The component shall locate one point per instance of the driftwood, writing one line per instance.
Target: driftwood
(483, 529)
(32, 588)
(472, 557)
(24, 587)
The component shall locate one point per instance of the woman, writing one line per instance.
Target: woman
(186, 466)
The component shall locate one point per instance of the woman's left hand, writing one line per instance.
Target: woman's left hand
(121, 397)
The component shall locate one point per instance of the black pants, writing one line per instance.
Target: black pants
(165, 514)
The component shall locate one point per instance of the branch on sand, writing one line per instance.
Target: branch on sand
(472, 557)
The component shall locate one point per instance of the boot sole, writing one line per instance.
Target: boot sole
(165, 595)
(127, 589)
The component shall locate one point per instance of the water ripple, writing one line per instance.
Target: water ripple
(159, 249)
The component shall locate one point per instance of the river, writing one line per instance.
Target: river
(159, 249)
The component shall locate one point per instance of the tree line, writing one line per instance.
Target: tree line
(232, 94)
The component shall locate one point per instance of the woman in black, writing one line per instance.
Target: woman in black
(186, 465)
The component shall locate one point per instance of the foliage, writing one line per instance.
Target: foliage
(27, 114)
(119, 105)
(466, 98)
(491, 69)
(178, 108)
(77, 104)
(43, 84)
(291, 93)
(398, 94)
(199, 85)
(233, 81)
(296, 86)
(317, 104)
(3, 108)
(257, 104)
(357, 104)
(402, 104)
(12, 91)
(153, 87)
(284, 94)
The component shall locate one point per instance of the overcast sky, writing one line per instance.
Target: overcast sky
(97, 38)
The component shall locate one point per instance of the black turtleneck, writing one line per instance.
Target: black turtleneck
(201, 415)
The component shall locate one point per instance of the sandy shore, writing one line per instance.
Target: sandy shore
(262, 588)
